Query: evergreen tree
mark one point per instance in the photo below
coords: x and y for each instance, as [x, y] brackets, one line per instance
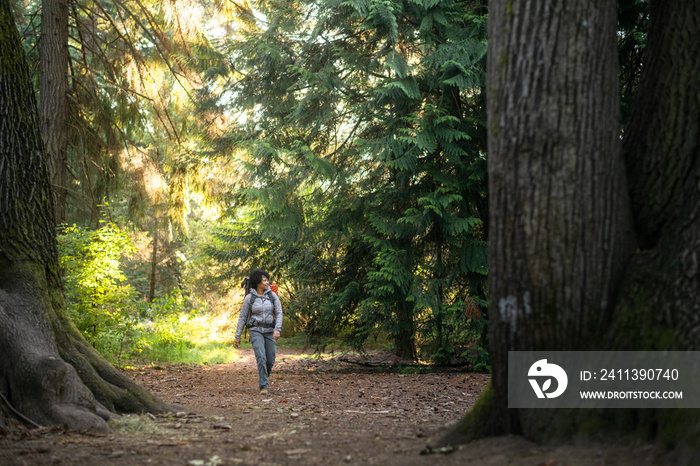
[126, 141]
[127, 71]
[365, 147]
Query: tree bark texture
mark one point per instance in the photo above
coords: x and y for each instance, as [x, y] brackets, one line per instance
[54, 96]
[593, 245]
[662, 154]
[48, 372]
[560, 226]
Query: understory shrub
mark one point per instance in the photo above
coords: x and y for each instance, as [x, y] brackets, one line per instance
[101, 304]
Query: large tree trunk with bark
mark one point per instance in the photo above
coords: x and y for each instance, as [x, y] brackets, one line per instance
[48, 372]
[593, 242]
[54, 96]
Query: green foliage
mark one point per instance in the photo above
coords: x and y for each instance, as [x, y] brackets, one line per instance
[164, 334]
[364, 147]
[632, 21]
[354, 169]
[108, 310]
[135, 142]
[478, 358]
[101, 304]
[133, 67]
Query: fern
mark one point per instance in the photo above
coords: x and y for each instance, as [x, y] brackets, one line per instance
[365, 170]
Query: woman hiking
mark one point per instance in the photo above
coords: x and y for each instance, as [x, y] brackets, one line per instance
[261, 312]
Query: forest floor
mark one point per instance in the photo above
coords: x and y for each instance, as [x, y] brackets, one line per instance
[329, 410]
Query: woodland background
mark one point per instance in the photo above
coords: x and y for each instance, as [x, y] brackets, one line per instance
[340, 145]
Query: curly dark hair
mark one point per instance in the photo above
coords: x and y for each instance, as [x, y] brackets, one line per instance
[256, 277]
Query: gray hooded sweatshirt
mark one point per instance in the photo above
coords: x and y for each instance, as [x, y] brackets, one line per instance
[261, 315]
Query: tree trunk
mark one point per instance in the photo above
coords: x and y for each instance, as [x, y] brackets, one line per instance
[48, 372]
[154, 259]
[579, 260]
[404, 336]
[54, 96]
[559, 227]
[662, 153]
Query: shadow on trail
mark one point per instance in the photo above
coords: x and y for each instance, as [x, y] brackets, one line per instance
[328, 410]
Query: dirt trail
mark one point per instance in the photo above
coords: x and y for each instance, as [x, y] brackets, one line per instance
[320, 411]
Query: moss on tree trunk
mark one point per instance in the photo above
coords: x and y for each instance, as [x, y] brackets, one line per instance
[48, 372]
[579, 261]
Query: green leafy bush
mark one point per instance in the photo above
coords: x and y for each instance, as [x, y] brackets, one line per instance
[101, 304]
[164, 334]
[112, 315]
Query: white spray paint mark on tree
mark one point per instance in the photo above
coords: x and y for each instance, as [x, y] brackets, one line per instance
[510, 311]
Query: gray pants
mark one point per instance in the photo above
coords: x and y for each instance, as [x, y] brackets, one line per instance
[264, 349]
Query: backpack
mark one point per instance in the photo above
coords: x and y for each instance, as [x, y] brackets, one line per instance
[246, 287]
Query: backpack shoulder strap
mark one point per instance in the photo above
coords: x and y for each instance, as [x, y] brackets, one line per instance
[271, 294]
